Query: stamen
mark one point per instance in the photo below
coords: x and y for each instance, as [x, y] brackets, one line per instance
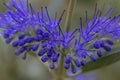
[60, 30]
[48, 14]
[32, 10]
[86, 20]
[42, 12]
[38, 15]
[95, 12]
[27, 5]
[22, 4]
[55, 18]
[93, 27]
[81, 26]
[109, 11]
[13, 17]
[61, 17]
[6, 6]
[74, 32]
[19, 10]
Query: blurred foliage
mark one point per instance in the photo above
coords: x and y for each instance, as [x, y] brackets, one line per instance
[109, 58]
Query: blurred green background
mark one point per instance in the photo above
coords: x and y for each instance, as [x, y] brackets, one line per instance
[14, 68]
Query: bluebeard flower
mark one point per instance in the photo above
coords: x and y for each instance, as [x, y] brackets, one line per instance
[97, 37]
[24, 28]
[35, 31]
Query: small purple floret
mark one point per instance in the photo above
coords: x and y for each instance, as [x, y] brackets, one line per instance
[67, 59]
[41, 52]
[44, 58]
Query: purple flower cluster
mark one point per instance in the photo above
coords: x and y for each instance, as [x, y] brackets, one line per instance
[30, 31]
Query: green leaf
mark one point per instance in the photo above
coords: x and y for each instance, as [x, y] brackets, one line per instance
[109, 58]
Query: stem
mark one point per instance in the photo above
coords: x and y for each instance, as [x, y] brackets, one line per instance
[69, 14]
[60, 74]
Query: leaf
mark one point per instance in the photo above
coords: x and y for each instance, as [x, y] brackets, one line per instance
[109, 58]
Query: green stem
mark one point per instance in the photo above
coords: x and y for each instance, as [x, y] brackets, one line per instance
[60, 72]
[69, 14]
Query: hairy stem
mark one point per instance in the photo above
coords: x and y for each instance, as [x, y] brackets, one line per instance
[69, 14]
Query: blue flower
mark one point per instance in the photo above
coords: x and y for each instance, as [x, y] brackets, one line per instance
[94, 39]
[28, 30]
